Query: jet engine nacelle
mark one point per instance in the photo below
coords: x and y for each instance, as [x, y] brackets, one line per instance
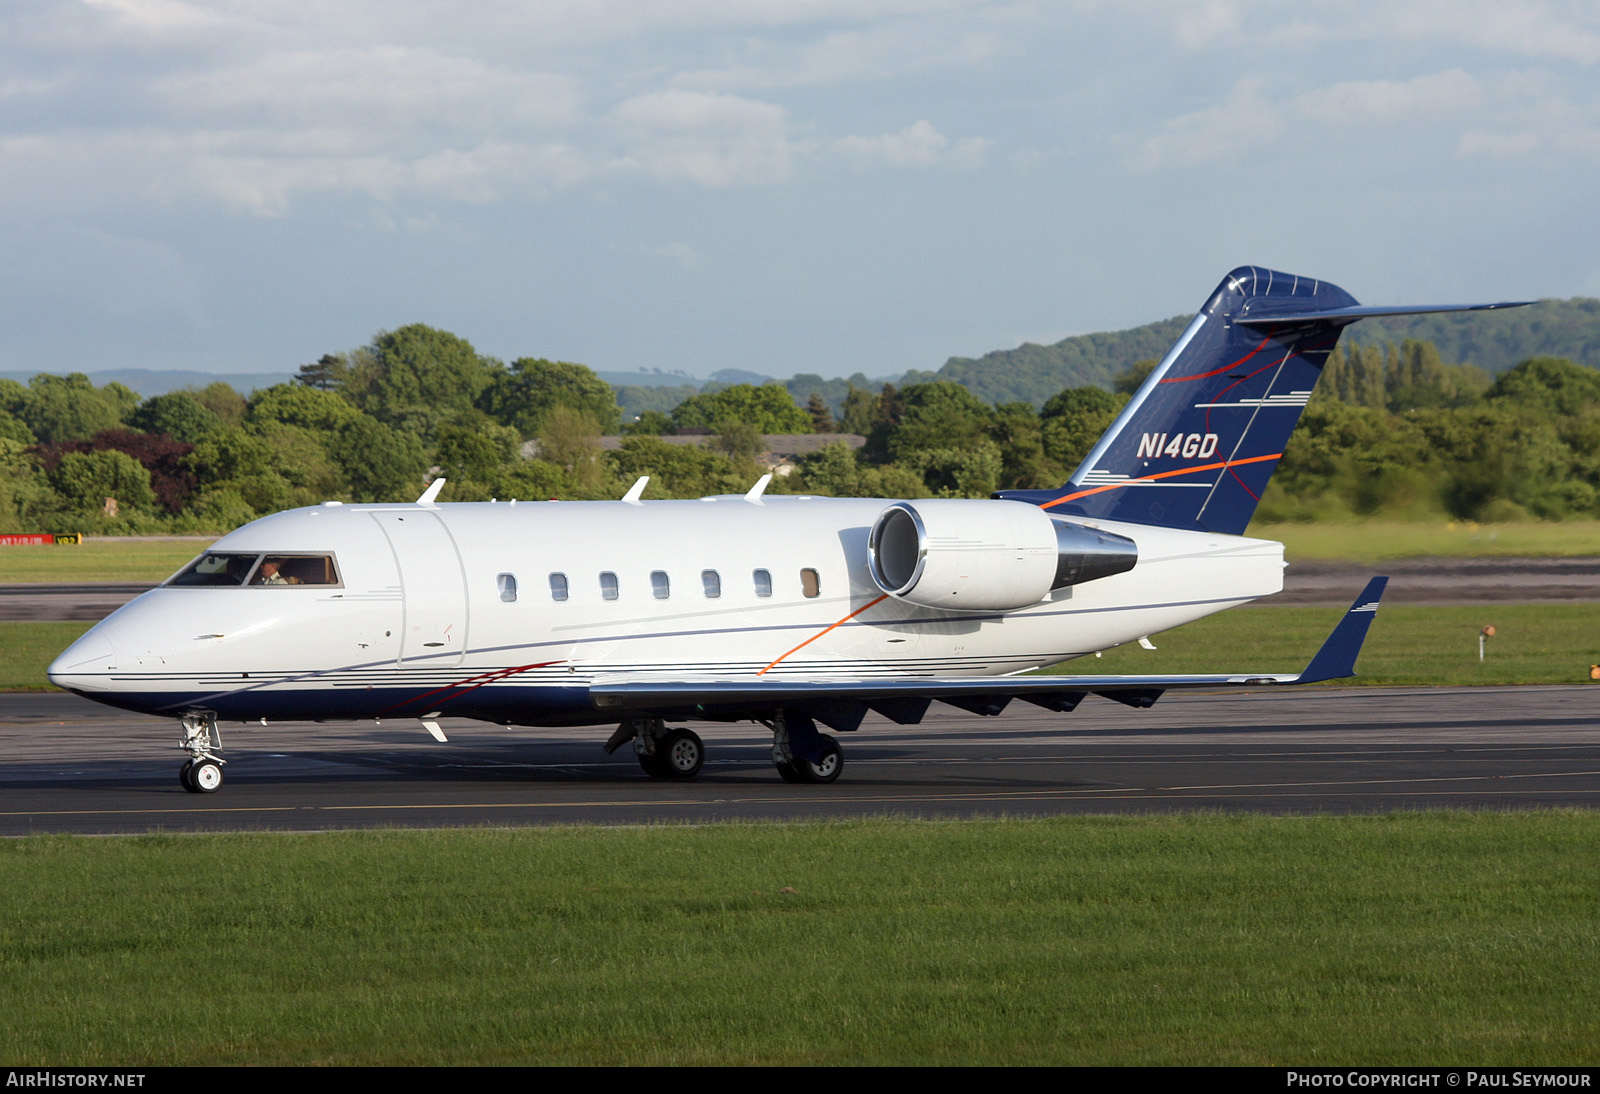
[986, 555]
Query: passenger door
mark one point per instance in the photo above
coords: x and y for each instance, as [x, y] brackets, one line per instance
[433, 585]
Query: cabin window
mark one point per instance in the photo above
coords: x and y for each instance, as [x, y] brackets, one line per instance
[810, 583]
[711, 582]
[558, 586]
[608, 586]
[508, 587]
[660, 587]
[763, 582]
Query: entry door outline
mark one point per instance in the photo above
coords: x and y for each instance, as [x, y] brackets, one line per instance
[433, 586]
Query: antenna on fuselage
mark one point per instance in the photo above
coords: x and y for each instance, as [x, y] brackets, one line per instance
[636, 490]
[431, 494]
[755, 492]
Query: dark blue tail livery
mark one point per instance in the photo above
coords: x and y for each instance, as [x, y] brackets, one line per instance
[1198, 442]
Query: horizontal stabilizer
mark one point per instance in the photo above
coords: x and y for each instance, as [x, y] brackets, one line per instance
[1364, 311]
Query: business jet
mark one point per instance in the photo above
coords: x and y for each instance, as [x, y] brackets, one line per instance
[788, 611]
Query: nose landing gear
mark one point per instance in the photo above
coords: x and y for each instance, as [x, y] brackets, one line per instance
[202, 772]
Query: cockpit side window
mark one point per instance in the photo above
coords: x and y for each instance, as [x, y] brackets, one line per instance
[236, 568]
[215, 568]
[295, 570]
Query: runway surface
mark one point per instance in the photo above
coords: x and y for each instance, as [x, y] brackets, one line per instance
[67, 765]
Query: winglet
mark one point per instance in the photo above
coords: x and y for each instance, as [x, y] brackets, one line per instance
[636, 491]
[1337, 657]
[431, 494]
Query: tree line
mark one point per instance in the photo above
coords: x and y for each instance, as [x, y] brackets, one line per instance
[1393, 430]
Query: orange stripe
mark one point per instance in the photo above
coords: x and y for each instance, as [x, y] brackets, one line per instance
[1150, 478]
[820, 633]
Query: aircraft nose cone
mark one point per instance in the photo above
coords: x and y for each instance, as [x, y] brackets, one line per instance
[83, 661]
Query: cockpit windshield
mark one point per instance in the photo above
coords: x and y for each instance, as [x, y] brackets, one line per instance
[231, 568]
[214, 568]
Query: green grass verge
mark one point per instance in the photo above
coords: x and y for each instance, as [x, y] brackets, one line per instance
[1408, 644]
[26, 650]
[1405, 939]
[100, 560]
[1372, 541]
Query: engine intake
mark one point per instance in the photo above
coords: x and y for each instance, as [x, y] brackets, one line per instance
[986, 555]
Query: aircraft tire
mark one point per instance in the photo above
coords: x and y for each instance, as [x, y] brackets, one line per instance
[826, 771]
[205, 777]
[786, 770]
[681, 754]
[183, 776]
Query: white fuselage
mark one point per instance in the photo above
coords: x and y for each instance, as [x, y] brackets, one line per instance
[423, 617]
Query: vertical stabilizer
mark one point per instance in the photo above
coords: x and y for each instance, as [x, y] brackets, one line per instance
[1198, 442]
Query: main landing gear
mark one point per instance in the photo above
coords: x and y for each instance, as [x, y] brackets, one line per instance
[799, 753]
[202, 772]
[663, 753]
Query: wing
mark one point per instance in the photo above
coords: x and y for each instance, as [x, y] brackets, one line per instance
[843, 702]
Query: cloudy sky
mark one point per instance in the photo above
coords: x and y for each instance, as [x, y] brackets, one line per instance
[779, 185]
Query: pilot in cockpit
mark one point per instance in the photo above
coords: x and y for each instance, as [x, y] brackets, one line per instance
[269, 574]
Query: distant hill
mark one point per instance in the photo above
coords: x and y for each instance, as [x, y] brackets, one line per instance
[647, 378]
[1498, 340]
[1494, 341]
[1032, 373]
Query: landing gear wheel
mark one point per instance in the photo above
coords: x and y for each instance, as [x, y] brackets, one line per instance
[183, 776]
[205, 777]
[681, 754]
[651, 764]
[786, 768]
[824, 771]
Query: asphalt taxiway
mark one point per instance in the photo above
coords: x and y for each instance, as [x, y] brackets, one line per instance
[68, 765]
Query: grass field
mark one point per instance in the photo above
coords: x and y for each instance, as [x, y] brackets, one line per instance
[1407, 939]
[26, 650]
[1373, 541]
[1408, 644]
[100, 560]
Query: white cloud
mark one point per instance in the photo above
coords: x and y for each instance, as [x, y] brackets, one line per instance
[1529, 28]
[382, 88]
[714, 140]
[160, 17]
[1364, 102]
[1200, 25]
[872, 54]
[1245, 120]
[917, 145]
[681, 253]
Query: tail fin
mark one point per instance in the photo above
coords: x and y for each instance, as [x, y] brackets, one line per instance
[1197, 443]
